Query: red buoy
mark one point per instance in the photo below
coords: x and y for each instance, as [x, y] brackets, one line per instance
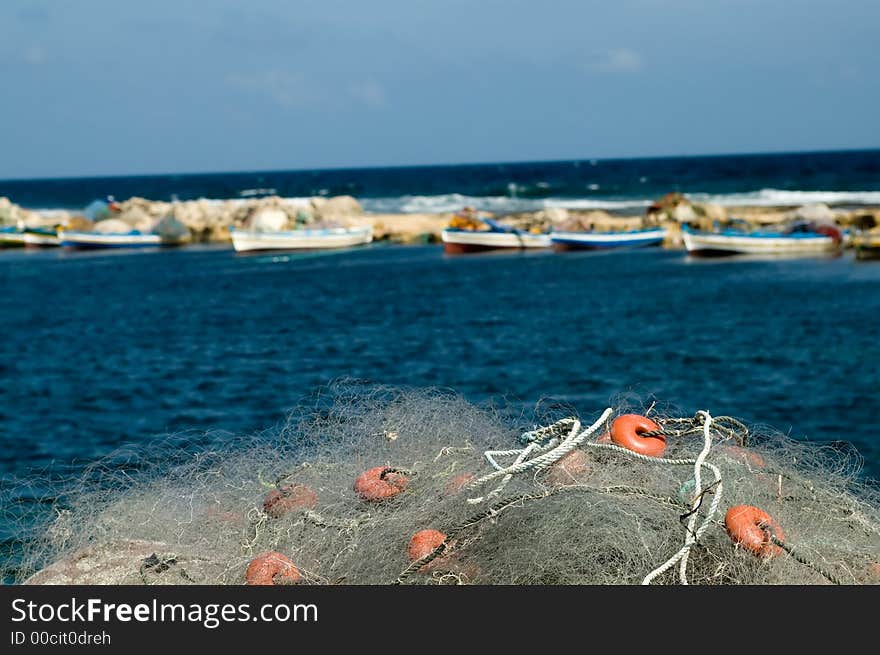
[751, 528]
[627, 429]
[279, 502]
[744, 455]
[458, 483]
[571, 469]
[380, 483]
[270, 569]
[423, 543]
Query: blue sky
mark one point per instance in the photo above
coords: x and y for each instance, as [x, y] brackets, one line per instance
[109, 87]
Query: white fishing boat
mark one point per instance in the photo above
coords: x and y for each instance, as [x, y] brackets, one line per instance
[562, 240]
[244, 240]
[91, 239]
[41, 238]
[11, 237]
[457, 241]
[795, 241]
[461, 240]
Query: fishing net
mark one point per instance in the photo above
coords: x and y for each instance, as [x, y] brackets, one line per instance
[375, 485]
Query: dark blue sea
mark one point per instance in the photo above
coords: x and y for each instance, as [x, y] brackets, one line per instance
[836, 178]
[111, 349]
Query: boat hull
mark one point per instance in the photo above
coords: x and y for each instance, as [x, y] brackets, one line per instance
[96, 240]
[867, 247]
[458, 242]
[11, 238]
[565, 241]
[251, 240]
[41, 240]
[719, 245]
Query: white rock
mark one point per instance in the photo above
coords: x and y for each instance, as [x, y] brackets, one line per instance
[684, 213]
[818, 212]
[111, 225]
[268, 219]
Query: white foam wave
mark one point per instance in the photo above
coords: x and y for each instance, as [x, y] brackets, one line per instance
[781, 198]
[763, 198]
[451, 202]
[248, 193]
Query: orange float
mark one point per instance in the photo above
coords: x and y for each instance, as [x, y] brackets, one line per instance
[380, 483]
[289, 497]
[749, 527]
[458, 483]
[571, 469]
[626, 431]
[270, 569]
[423, 543]
[744, 455]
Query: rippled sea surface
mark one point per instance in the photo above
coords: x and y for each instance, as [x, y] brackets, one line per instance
[110, 349]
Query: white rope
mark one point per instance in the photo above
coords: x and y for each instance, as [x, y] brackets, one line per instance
[546, 455]
[692, 534]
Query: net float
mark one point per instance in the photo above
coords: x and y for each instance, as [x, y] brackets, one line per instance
[458, 483]
[752, 528]
[279, 502]
[423, 543]
[627, 431]
[271, 568]
[380, 483]
[745, 455]
[571, 469]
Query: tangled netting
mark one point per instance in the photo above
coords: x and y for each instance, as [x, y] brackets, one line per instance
[342, 488]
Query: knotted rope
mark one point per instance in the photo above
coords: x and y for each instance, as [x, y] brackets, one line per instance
[542, 456]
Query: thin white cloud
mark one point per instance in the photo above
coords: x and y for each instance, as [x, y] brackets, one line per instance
[288, 89]
[370, 93]
[618, 60]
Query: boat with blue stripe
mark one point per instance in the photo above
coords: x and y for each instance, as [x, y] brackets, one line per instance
[11, 237]
[91, 239]
[244, 240]
[32, 237]
[796, 240]
[590, 240]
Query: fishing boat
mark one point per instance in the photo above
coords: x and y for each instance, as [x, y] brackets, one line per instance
[11, 237]
[92, 239]
[460, 240]
[244, 240]
[41, 237]
[797, 240]
[867, 245]
[588, 240]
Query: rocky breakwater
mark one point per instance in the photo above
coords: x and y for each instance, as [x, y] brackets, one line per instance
[12, 214]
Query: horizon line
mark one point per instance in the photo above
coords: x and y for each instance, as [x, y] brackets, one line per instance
[436, 165]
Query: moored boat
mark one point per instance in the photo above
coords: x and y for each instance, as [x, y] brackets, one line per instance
[11, 237]
[41, 237]
[244, 240]
[470, 232]
[867, 245]
[588, 240]
[794, 241]
[92, 239]
[458, 241]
